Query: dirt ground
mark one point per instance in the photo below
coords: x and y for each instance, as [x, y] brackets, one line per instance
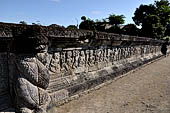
[146, 90]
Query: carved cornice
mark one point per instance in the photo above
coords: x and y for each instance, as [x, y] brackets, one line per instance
[62, 37]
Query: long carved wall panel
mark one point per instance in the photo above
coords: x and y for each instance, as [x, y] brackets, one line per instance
[40, 66]
[85, 60]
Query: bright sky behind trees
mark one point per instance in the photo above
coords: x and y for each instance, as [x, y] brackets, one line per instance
[65, 12]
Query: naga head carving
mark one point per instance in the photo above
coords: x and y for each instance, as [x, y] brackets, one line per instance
[30, 39]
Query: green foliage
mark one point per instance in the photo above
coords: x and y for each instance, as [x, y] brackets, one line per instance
[83, 18]
[153, 18]
[23, 22]
[110, 24]
[115, 29]
[87, 24]
[152, 27]
[116, 19]
[100, 25]
[72, 27]
[142, 12]
[163, 11]
[167, 32]
[130, 29]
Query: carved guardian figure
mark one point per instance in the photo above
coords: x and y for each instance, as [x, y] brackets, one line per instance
[31, 82]
[32, 75]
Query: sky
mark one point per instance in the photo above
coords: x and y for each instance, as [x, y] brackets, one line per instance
[66, 12]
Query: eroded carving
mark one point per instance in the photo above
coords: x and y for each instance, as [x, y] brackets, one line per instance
[70, 59]
[91, 58]
[81, 59]
[55, 63]
[75, 59]
[31, 83]
[30, 72]
[64, 65]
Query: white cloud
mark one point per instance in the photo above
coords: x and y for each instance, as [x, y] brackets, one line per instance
[96, 12]
[55, 0]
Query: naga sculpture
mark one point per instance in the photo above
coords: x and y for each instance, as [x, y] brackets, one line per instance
[32, 76]
[31, 81]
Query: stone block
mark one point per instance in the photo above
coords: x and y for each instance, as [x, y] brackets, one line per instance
[59, 95]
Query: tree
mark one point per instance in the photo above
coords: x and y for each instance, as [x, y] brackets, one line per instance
[72, 27]
[163, 11]
[116, 19]
[110, 24]
[83, 18]
[87, 24]
[153, 18]
[37, 23]
[152, 27]
[167, 32]
[130, 29]
[23, 22]
[142, 12]
[100, 25]
[114, 29]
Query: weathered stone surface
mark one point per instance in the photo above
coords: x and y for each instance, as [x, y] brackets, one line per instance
[31, 81]
[5, 98]
[41, 65]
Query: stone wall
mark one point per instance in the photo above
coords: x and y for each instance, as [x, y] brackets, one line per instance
[43, 65]
[76, 70]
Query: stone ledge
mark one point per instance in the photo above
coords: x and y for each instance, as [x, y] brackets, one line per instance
[110, 74]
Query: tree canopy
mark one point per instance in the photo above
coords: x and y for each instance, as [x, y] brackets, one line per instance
[110, 24]
[130, 29]
[72, 27]
[153, 18]
[86, 24]
[116, 19]
[142, 12]
[23, 22]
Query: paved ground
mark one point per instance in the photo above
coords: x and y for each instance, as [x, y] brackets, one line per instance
[144, 91]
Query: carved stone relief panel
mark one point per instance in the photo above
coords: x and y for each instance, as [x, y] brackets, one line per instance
[110, 57]
[107, 54]
[63, 63]
[100, 55]
[119, 54]
[69, 60]
[87, 56]
[81, 62]
[75, 58]
[81, 59]
[91, 58]
[142, 50]
[45, 58]
[122, 53]
[55, 63]
[97, 51]
[106, 57]
[115, 53]
[138, 51]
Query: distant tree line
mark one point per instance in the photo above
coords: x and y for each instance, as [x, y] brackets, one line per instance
[112, 24]
[153, 21]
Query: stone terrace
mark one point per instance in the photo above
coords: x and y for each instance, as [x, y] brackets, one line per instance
[60, 63]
